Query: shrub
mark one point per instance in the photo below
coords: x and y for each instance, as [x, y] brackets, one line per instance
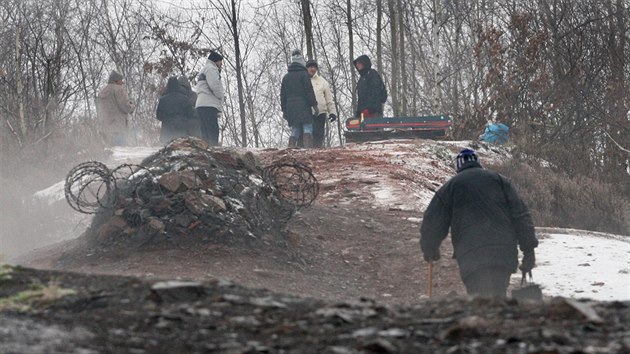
[558, 200]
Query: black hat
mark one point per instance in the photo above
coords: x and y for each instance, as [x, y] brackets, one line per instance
[215, 56]
[312, 63]
[115, 76]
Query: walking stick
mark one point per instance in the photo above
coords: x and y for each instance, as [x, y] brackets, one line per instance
[430, 279]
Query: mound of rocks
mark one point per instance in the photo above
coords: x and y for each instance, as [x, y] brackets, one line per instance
[187, 191]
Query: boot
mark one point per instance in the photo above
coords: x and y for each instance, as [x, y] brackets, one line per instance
[308, 141]
[292, 142]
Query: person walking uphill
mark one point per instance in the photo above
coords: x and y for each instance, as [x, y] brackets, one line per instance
[174, 111]
[298, 101]
[325, 103]
[371, 91]
[112, 109]
[487, 219]
[210, 98]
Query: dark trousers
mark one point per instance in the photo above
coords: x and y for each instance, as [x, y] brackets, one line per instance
[209, 123]
[319, 130]
[488, 282]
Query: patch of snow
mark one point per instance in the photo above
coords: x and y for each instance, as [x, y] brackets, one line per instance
[52, 194]
[584, 266]
[131, 154]
[257, 180]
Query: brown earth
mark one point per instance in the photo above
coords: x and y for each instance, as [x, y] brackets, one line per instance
[345, 249]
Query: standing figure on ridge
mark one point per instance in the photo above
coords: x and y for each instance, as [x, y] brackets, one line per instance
[298, 101]
[210, 96]
[113, 107]
[325, 104]
[371, 91]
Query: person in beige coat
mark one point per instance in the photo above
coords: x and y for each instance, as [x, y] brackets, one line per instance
[325, 104]
[112, 108]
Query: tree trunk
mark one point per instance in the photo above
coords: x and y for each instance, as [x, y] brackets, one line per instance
[351, 53]
[393, 21]
[308, 27]
[437, 73]
[20, 84]
[403, 67]
[379, 36]
[239, 75]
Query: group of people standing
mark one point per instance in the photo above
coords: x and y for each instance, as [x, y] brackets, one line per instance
[306, 100]
[186, 113]
[181, 111]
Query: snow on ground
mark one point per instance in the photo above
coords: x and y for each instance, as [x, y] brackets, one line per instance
[131, 154]
[579, 264]
[119, 155]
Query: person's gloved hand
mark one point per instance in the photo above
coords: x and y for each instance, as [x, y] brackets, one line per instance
[529, 261]
[432, 255]
[332, 117]
[365, 112]
[315, 111]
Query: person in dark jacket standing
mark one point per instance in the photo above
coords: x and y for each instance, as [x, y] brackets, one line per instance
[371, 91]
[487, 219]
[194, 127]
[210, 98]
[174, 111]
[298, 101]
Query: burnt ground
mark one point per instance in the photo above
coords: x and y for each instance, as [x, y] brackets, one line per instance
[351, 269]
[114, 314]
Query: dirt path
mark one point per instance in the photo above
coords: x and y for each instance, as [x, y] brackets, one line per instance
[334, 253]
[359, 239]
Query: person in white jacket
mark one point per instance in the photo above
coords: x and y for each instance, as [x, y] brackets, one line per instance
[325, 104]
[210, 98]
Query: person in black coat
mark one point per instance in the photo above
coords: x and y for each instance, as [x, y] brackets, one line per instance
[298, 101]
[371, 91]
[194, 126]
[174, 111]
[487, 219]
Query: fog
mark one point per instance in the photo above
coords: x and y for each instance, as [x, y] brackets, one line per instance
[27, 223]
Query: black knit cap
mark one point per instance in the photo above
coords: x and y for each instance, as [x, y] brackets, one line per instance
[312, 63]
[215, 56]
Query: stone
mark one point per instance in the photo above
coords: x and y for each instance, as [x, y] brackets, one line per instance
[183, 220]
[171, 181]
[112, 227]
[176, 291]
[155, 226]
[189, 179]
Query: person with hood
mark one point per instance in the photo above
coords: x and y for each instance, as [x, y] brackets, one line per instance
[210, 98]
[325, 103]
[174, 111]
[371, 91]
[194, 128]
[113, 107]
[488, 219]
[298, 101]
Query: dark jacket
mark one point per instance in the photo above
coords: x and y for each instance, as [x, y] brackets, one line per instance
[174, 111]
[297, 96]
[371, 91]
[487, 219]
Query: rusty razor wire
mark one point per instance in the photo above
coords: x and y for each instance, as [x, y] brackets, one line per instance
[92, 185]
[294, 180]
